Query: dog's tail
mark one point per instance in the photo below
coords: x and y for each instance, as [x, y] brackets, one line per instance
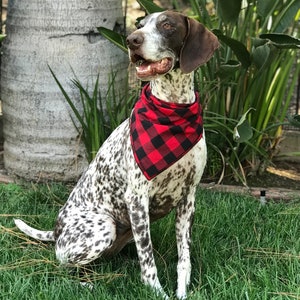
[34, 233]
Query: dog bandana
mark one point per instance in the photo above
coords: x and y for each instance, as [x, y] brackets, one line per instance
[162, 132]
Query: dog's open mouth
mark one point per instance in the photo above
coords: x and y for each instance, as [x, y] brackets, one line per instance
[147, 68]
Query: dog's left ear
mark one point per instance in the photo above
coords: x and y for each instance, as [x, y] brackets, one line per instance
[198, 47]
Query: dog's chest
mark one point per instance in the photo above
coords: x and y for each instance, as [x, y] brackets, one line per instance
[174, 184]
[164, 191]
[114, 171]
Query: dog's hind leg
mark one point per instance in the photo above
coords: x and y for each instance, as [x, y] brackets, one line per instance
[86, 237]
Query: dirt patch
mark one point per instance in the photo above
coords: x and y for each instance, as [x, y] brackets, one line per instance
[283, 174]
[281, 182]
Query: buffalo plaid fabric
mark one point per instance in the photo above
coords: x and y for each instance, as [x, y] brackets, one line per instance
[162, 132]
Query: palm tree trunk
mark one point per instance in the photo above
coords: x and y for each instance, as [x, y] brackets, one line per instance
[40, 139]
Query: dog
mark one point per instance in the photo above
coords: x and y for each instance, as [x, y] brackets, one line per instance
[134, 180]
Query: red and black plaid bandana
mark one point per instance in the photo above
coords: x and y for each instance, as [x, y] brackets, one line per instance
[162, 132]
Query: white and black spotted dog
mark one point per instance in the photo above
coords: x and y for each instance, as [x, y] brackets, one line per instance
[150, 164]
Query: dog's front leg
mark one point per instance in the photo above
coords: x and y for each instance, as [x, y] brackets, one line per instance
[138, 209]
[184, 220]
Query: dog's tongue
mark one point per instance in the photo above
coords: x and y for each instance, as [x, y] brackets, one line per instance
[148, 69]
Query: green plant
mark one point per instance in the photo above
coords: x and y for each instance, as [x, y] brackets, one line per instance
[249, 80]
[247, 86]
[99, 116]
[2, 36]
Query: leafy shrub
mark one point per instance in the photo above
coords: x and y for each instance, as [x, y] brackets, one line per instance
[247, 85]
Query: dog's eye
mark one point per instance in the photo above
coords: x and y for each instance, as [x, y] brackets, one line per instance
[139, 22]
[167, 26]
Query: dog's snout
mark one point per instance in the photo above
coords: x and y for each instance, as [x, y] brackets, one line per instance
[134, 40]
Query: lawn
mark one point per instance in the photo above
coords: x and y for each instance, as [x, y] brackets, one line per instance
[240, 250]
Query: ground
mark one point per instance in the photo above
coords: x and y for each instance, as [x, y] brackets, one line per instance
[281, 182]
[284, 174]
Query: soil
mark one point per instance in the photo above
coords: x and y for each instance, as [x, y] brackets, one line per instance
[281, 182]
[282, 175]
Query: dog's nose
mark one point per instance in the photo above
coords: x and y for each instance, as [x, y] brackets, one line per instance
[134, 40]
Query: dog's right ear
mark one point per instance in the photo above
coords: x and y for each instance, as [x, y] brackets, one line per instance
[198, 47]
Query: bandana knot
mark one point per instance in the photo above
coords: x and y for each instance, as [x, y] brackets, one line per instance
[162, 132]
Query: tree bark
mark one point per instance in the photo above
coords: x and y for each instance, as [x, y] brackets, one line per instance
[40, 139]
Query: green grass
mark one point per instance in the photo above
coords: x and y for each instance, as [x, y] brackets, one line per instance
[240, 250]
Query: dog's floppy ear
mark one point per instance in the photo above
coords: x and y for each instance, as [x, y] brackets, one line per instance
[198, 47]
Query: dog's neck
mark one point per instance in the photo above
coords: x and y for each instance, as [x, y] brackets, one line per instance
[174, 87]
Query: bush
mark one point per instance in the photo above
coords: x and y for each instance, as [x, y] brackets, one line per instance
[247, 86]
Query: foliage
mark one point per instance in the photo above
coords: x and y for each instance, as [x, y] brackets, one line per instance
[240, 250]
[100, 116]
[2, 36]
[247, 86]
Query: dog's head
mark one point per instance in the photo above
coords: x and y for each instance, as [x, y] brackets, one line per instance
[163, 39]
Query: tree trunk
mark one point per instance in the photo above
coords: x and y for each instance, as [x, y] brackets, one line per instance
[40, 139]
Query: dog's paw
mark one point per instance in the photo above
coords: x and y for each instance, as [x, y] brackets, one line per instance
[87, 285]
[181, 294]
